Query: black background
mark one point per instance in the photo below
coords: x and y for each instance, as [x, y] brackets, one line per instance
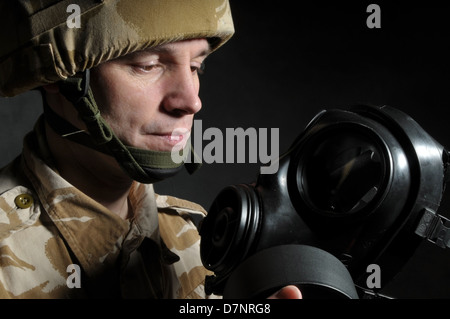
[289, 60]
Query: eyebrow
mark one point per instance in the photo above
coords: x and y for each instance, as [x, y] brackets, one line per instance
[166, 49]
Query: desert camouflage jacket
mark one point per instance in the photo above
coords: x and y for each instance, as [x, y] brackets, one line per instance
[56, 242]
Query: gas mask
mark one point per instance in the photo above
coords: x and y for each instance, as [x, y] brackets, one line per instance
[357, 187]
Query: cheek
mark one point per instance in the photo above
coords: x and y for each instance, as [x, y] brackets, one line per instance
[125, 100]
[129, 115]
[136, 104]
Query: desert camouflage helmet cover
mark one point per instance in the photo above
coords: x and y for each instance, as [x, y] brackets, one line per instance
[39, 47]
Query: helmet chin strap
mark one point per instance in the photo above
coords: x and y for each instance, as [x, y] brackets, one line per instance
[145, 166]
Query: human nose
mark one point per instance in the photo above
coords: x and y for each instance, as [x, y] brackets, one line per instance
[182, 94]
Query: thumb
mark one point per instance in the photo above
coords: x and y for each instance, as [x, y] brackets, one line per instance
[288, 292]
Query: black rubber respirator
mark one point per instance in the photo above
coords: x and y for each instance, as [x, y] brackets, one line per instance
[358, 187]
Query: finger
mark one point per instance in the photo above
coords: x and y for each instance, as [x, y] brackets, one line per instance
[288, 292]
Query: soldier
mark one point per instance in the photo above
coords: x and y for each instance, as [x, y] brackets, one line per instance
[78, 213]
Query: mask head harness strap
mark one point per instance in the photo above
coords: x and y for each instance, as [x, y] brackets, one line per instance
[145, 166]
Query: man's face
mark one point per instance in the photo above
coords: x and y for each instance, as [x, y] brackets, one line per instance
[149, 97]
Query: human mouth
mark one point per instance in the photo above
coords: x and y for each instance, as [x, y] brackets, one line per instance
[176, 139]
[172, 139]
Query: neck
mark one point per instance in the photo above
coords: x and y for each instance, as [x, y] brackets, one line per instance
[94, 173]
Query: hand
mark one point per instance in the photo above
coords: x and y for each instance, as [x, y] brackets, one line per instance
[288, 292]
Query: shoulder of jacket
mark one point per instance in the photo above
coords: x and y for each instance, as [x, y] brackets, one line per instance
[19, 209]
[170, 203]
[19, 206]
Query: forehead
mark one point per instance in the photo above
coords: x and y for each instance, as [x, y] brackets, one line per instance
[193, 48]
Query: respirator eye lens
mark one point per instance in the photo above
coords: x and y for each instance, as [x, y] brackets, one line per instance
[341, 172]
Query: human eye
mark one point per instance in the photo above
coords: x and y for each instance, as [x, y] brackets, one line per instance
[198, 68]
[143, 62]
[148, 68]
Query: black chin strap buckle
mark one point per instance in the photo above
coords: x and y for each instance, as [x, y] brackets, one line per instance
[85, 82]
[75, 96]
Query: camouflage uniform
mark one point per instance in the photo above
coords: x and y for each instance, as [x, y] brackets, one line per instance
[46, 225]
